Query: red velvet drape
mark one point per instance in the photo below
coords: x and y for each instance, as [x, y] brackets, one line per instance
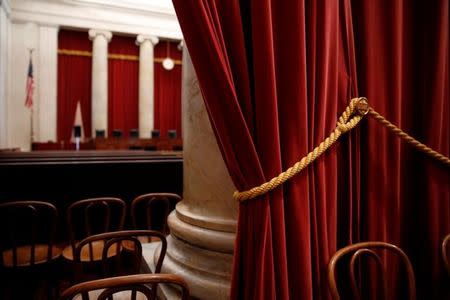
[274, 76]
[74, 83]
[167, 109]
[123, 82]
[403, 70]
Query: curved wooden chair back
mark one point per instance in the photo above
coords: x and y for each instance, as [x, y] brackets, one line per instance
[367, 249]
[30, 231]
[131, 283]
[113, 242]
[160, 204]
[98, 215]
[445, 253]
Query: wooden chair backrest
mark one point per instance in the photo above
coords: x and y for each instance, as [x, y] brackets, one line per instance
[116, 239]
[28, 217]
[367, 248]
[131, 283]
[149, 202]
[107, 205]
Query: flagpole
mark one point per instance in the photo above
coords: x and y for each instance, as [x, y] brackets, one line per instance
[31, 128]
[31, 110]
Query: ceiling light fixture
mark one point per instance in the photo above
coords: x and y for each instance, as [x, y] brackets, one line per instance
[168, 62]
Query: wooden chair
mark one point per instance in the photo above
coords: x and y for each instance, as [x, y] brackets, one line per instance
[113, 262]
[27, 246]
[367, 249]
[113, 242]
[131, 283]
[92, 216]
[445, 253]
[150, 211]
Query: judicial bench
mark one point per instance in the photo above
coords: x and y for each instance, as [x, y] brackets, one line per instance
[114, 143]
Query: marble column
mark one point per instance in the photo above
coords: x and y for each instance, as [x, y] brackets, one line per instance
[48, 57]
[5, 41]
[203, 225]
[146, 84]
[100, 40]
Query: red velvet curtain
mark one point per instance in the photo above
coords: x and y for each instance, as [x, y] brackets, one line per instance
[167, 109]
[74, 83]
[403, 70]
[274, 76]
[123, 82]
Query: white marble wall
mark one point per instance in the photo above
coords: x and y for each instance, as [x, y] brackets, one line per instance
[5, 27]
[23, 37]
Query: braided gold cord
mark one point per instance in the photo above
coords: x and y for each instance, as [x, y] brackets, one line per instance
[409, 139]
[345, 123]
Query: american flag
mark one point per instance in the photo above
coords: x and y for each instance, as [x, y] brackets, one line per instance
[30, 86]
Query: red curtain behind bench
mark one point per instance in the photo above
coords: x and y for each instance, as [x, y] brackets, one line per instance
[123, 83]
[167, 110]
[74, 83]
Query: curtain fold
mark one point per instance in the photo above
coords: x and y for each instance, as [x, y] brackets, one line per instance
[275, 76]
[269, 104]
[167, 109]
[123, 81]
[74, 83]
[403, 71]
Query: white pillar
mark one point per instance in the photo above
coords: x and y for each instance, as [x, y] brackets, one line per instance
[5, 25]
[100, 40]
[48, 58]
[146, 84]
[202, 228]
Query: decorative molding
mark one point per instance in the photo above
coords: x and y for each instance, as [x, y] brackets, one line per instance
[75, 14]
[112, 56]
[141, 38]
[74, 52]
[146, 6]
[93, 33]
[123, 57]
[6, 6]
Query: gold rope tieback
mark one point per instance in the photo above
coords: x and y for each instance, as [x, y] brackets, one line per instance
[354, 112]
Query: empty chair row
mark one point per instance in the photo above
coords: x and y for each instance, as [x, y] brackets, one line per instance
[28, 228]
[27, 239]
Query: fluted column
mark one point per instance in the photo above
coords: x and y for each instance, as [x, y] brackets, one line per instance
[100, 40]
[146, 84]
[203, 226]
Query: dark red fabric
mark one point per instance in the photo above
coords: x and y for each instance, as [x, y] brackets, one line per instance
[74, 83]
[275, 75]
[167, 109]
[123, 84]
[403, 70]
[274, 78]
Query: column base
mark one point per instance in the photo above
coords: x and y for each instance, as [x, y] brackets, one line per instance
[206, 271]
